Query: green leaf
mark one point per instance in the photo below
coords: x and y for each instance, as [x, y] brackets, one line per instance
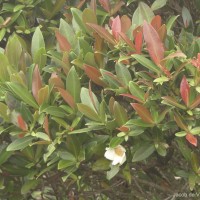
[3, 111]
[5, 155]
[37, 42]
[114, 170]
[65, 155]
[62, 164]
[73, 85]
[4, 68]
[13, 51]
[101, 165]
[143, 12]
[157, 4]
[40, 57]
[146, 63]
[171, 22]
[89, 99]
[143, 152]
[115, 141]
[41, 135]
[77, 19]
[22, 93]
[29, 185]
[120, 114]
[57, 7]
[136, 90]
[20, 143]
[181, 134]
[123, 74]
[54, 111]
[88, 112]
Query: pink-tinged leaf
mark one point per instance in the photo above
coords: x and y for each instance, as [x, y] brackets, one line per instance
[63, 42]
[191, 139]
[162, 32]
[136, 30]
[154, 44]
[180, 122]
[93, 5]
[21, 123]
[36, 82]
[56, 80]
[196, 62]
[156, 22]
[116, 27]
[123, 129]
[173, 102]
[195, 103]
[132, 97]
[105, 4]
[144, 114]
[164, 69]
[127, 40]
[185, 91]
[138, 42]
[103, 33]
[94, 74]
[46, 125]
[125, 23]
[67, 97]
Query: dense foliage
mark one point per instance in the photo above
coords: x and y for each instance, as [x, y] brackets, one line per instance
[99, 99]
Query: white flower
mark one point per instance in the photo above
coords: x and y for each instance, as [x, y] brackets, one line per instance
[117, 155]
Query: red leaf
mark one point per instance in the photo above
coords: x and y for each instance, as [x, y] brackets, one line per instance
[94, 74]
[63, 42]
[105, 4]
[36, 82]
[67, 97]
[143, 113]
[102, 33]
[116, 27]
[138, 42]
[123, 129]
[185, 90]
[127, 40]
[191, 139]
[154, 45]
[125, 23]
[21, 123]
[156, 22]
[132, 97]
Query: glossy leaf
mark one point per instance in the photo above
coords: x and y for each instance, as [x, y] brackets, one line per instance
[143, 113]
[154, 44]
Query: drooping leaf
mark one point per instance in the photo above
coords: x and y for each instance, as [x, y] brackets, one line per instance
[154, 44]
[143, 113]
[185, 91]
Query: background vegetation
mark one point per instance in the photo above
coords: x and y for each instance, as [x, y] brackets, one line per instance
[77, 77]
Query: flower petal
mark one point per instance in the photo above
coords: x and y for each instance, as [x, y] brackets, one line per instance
[109, 154]
[117, 160]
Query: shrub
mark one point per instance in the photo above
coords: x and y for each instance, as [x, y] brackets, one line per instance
[109, 110]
